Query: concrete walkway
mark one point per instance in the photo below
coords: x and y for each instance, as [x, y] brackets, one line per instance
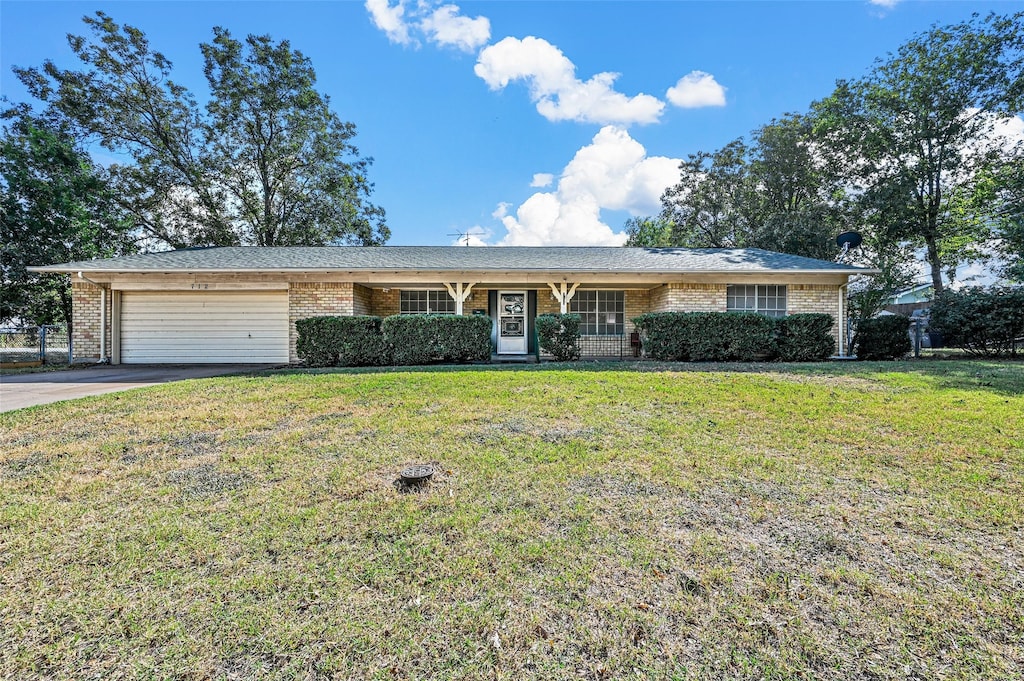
[18, 391]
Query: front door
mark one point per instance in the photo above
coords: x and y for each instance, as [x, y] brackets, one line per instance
[512, 322]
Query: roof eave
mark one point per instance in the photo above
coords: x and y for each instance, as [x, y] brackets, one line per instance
[58, 269]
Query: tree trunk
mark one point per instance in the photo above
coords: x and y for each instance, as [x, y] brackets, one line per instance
[933, 260]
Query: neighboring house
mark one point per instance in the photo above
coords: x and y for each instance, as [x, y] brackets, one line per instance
[240, 304]
[904, 302]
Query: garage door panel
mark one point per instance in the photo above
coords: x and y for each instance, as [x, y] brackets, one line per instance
[204, 327]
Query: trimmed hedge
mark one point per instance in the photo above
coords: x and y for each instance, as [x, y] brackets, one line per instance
[341, 341]
[398, 340]
[426, 338]
[805, 337]
[735, 336]
[559, 334]
[707, 336]
[884, 337]
[986, 322]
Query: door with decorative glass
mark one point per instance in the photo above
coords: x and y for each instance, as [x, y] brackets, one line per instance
[512, 323]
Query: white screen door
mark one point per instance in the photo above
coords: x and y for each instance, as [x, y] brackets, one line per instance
[512, 322]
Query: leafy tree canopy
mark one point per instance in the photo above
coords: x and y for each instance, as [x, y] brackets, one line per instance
[265, 162]
[915, 138]
[773, 193]
[56, 207]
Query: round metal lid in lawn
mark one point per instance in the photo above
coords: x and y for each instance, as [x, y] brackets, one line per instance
[414, 475]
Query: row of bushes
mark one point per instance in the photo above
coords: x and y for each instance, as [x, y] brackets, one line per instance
[735, 336]
[397, 340]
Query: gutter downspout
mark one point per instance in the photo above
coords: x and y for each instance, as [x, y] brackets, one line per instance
[842, 319]
[103, 318]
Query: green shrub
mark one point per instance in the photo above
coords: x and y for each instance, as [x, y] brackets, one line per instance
[559, 334]
[341, 341]
[987, 322]
[664, 335]
[426, 338]
[884, 337]
[805, 337]
[707, 336]
[464, 339]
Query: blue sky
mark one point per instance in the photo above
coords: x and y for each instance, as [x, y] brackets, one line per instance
[494, 117]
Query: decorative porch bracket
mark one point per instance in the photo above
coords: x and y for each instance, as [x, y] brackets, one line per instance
[564, 294]
[459, 293]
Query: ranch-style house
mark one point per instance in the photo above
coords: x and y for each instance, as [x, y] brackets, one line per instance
[240, 304]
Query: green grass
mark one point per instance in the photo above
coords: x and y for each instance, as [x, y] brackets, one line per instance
[603, 522]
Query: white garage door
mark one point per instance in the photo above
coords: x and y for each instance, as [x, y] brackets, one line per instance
[185, 327]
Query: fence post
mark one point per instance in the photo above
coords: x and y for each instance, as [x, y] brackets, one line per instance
[42, 343]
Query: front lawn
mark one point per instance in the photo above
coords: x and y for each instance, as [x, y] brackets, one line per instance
[604, 522]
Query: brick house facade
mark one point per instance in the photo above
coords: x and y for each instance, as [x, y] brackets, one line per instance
[210, 303]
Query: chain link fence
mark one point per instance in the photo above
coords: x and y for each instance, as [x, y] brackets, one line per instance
[45, 344]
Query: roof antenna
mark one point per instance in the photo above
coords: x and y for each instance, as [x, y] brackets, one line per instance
[463, 236]
[847, 241]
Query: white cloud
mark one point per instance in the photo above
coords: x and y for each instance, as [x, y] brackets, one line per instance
[445, 26]
[542, 180]
[613, 172]
[553, 85]
[887, 4]
[696, 89]
[390, 19]
[501, 211]
[1009, 133]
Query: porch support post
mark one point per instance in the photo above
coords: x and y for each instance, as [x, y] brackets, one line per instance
[459, 293]
[563, 294]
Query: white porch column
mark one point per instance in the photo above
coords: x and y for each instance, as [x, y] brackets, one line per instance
[563, 294]
[459, 293]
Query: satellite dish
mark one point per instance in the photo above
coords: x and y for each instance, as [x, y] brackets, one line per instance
[848, 240]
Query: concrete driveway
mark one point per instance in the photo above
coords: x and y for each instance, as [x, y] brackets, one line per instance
[27, 390]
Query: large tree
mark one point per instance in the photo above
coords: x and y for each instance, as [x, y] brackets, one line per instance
[915, 137]
[55, 206]
[773, 193]
[266, 161]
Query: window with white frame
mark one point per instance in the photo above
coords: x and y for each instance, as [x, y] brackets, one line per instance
[426, 302]
[602, 313]
[769, 300]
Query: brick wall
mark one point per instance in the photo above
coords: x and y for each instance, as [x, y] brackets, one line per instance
[85, 336]
[384, 302]
[316, 299]
[362, 299]
[688, 298]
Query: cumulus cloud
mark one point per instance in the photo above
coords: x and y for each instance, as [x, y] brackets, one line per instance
[390, 19]
[554, 87]
[613, 172]
[887, 4]
[542, 180]
[445, 26]
[696, 89]
[442, 25]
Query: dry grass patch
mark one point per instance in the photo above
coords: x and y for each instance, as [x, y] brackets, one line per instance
[673, 521]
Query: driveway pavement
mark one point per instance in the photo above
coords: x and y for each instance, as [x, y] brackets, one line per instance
[27, 390]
